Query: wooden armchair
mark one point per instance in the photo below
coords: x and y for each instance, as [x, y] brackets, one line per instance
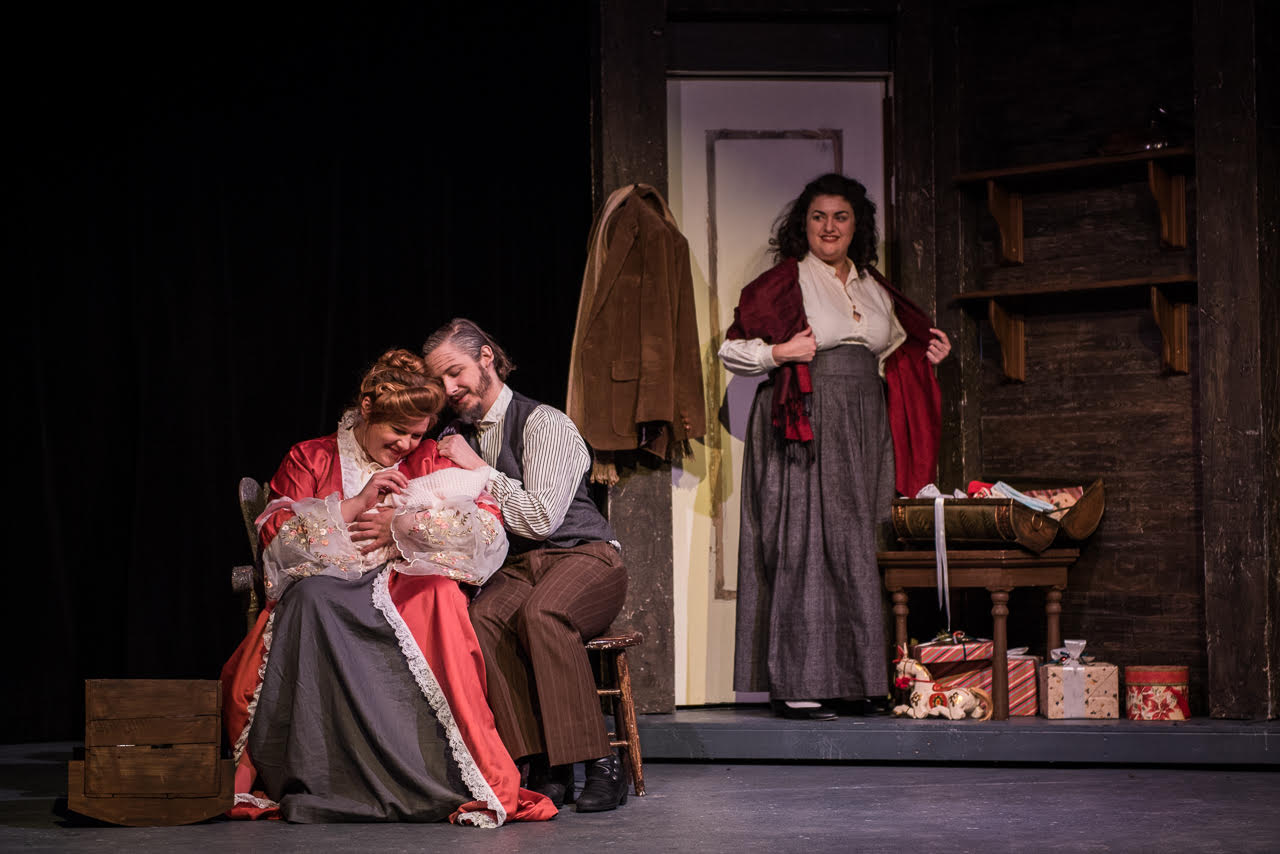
[247, 580]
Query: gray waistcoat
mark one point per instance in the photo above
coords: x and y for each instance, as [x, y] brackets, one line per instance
[583, 523]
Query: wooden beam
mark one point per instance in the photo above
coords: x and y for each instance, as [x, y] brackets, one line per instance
[1170, 191]
[1010, 331]
[930, 100]
[1080, 165]
[1173, 318]
[629, 133]
[1236, 364]
[1006, 207]
[1070, 287]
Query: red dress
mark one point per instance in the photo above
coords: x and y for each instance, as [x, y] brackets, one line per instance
[436, 639]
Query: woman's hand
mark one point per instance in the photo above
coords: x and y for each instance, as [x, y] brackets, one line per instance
[939, 347]
[455, 449]
[801, 348]
[390, 480]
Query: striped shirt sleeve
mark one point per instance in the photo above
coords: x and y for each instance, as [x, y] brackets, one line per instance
[555, 459]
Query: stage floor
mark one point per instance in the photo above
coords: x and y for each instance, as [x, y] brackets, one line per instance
[714, 807]
[753, 733]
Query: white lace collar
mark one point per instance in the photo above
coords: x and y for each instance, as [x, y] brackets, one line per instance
[357, 466]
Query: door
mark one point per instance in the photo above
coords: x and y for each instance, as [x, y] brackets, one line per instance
[739, 151]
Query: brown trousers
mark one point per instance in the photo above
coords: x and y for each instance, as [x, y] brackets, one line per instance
[532, 619]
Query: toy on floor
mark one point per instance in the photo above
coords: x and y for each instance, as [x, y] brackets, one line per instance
[924, 697]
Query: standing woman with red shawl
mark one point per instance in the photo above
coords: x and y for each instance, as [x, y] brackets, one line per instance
[850, 402]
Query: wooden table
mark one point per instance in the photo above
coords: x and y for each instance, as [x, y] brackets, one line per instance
[999, 571]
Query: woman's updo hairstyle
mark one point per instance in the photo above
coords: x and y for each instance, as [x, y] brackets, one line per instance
[399, 390]
[790, 239]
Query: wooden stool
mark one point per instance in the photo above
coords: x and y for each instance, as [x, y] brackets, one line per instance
[614, 683]
[999, 571]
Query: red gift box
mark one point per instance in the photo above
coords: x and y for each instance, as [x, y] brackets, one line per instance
[965, 653]
[1023, 694]
[1156, 693]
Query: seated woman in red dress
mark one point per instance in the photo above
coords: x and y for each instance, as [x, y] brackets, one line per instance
[360, 693]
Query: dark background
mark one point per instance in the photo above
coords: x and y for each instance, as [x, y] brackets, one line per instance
[217, 222]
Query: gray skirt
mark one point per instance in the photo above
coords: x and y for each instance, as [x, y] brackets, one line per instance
[342, 731]
[810, 606]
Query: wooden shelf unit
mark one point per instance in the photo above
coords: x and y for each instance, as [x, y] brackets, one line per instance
[1168, 185]
[1169, 304]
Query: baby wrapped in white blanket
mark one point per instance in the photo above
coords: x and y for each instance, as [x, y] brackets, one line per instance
[441, 530]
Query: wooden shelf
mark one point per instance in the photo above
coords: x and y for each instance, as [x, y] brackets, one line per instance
[1084, 165]
[1168, 303]
[1005, 187]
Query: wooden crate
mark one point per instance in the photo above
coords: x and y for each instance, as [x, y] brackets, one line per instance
[151, 753]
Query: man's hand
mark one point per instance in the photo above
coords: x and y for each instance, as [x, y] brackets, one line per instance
[456, 449]
[372, 530]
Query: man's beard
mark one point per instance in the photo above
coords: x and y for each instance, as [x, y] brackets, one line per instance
[475, 412]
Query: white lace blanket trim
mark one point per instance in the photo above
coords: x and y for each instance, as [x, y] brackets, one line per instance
[471, 773]
[243, 738]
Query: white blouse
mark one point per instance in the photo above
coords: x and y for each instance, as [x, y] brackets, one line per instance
[854, 311]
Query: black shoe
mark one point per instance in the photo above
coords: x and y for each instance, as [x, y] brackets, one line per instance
[803, 713]
[865, 707]
[556, 782]
[605, 787]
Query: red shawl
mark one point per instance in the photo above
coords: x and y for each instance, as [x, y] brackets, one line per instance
[772, 308]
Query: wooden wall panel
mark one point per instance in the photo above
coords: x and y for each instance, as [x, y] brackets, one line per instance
[629, 135]
[1052, 82]
[1091, 233]
[1235, 158]
[1032, 85]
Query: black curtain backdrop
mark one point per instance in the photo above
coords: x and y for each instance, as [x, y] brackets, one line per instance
[217, 222]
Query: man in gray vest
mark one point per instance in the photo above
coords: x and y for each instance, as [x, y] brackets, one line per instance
[563, 581]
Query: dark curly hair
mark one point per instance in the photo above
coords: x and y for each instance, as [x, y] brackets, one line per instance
[790, 241]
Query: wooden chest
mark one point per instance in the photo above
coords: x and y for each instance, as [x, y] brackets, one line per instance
[987, 523]
[152, 753]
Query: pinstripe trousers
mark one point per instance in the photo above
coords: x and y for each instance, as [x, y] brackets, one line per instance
[532, 619]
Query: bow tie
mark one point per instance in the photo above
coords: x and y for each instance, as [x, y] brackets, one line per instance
[483, 426]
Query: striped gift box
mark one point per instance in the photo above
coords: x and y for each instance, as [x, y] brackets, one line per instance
[936, 653]
[1023, 669]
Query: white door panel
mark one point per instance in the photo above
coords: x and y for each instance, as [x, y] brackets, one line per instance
[740, 150]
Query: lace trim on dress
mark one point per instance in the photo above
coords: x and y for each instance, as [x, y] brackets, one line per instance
[255, 801]
[471, 774]
[479, 819]
[357, 468]
[243, 738]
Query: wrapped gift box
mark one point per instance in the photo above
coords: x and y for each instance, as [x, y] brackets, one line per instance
[1156, 693]
[1080, 691]
[1023, 693]
[933, 653]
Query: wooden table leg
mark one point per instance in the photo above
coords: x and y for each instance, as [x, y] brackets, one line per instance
[899, 619]
[1052, 614]
[1000, 656]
